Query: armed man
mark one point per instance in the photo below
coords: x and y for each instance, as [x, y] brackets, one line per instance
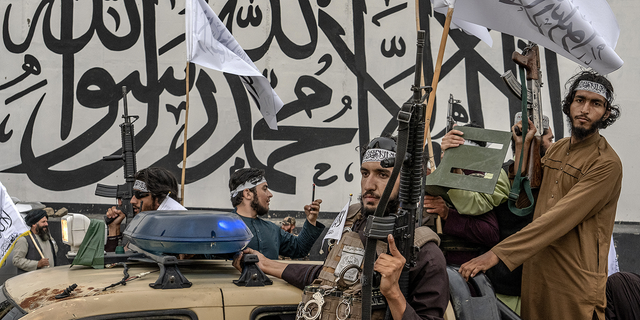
[154, 189]
[250, 197]
[564, 250]
[338, 278]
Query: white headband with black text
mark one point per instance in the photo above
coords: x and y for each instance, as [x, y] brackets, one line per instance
[595, 88]
[377, 155]
[141, 186]
[248, 185]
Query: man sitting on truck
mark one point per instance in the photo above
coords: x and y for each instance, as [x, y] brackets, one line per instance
[155, 189]
[250, 197]
[428, 292]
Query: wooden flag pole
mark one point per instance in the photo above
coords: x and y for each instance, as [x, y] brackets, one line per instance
[434, 86]
[184, 145]
[35, 244]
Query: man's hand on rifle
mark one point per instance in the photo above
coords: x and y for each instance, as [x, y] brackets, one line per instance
[390, 267]
[516, 133]
[114, 227]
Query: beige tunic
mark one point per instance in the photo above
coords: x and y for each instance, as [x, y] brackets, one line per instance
[564, 249]
[22, 247]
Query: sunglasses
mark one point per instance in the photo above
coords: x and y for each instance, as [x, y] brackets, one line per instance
[140, 194]
[382, 143]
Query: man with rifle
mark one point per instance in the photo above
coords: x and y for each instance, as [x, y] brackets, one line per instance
[148, 189]
[564, 250]
[154, 189]
[333, 289]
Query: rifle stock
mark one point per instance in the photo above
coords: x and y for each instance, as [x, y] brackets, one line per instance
[530, 61]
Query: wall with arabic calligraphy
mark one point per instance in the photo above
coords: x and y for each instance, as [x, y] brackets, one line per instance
[342, 68]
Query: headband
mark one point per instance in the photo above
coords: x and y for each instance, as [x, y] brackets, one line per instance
[595, 88]
[248, 185]
[140, 185]
[377, 155]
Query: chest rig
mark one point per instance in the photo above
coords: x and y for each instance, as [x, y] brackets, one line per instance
[337, 292]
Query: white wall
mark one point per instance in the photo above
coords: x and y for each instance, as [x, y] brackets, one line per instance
[55, 157]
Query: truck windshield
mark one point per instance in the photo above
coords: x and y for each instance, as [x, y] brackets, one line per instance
[8, 310]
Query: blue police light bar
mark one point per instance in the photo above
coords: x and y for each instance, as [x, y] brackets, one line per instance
[188, 232]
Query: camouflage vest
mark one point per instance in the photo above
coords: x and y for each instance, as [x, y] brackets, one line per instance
[337, 290]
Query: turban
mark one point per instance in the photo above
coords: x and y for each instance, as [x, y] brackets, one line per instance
[34, 216]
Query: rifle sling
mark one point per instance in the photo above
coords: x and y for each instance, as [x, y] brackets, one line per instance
[520, 182]
[370, 247]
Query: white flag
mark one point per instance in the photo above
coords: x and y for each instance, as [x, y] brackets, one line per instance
[12, 226]
[211, 45]
[335, 232]
[169, 204]
[480, 32]
[585, 31]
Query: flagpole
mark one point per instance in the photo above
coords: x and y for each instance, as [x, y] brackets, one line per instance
[35, 244]
[434, 83]
[434, 86]
[184, 145]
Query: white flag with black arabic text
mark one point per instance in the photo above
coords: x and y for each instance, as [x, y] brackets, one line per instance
[335, 231]
[211, 45]
[12, 226]
[585, 31]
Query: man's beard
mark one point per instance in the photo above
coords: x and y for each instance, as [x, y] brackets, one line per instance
[43, 233]
[259, 209]
[581, 132]
[392, 207]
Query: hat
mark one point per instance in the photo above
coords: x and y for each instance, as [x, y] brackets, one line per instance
[34, 216]
[289, 220]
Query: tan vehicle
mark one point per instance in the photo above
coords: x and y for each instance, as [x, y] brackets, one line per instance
[155, 285]
[212, 295]
[140, 289]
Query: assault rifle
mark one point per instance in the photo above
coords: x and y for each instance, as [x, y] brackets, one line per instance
[530, 61]
[450, 120]
[124, 191]
[402, 225]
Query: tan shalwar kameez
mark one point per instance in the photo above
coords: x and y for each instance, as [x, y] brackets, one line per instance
[564, 250]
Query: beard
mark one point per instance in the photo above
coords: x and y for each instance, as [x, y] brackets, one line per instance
[392, 207]
[43, 233]
[260, 210]
[581, 132]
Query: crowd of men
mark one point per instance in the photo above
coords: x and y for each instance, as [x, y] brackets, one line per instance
[550, 264]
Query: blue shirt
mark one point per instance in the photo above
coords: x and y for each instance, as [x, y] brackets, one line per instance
[272, 241]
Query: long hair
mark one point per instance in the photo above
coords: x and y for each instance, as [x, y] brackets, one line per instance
[160, 183]
[594, 77]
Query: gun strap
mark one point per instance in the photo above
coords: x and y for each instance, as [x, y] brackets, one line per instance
[520, 182]
[370, 247]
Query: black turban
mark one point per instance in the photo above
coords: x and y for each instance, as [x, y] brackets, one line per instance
[34, 216]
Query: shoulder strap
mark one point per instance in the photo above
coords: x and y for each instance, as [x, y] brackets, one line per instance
[520, 182]
[423, 235]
